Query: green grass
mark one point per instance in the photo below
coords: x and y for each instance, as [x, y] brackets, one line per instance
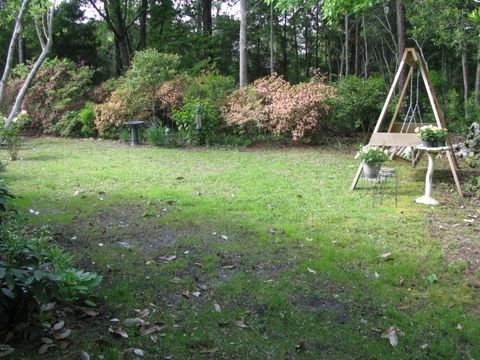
[168, 201]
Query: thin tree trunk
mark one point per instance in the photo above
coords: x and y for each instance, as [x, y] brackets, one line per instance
[207, 17]
[401, 38]
[365, 45]
[297, 68]
[44, 33]
[243, 43]
[21, 50]
[466, 92]
[272, 69]
[307, 47]
[477, 81]
[347, 45]
[284, 48]
[357, 49]
[143, 26]
[11, 49]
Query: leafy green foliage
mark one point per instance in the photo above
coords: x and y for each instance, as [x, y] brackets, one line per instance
[35, 271]
[5, 194]
[372, 155]
[77, 123]
[184, 119]
[60, 86]
[10, 137]
[356, 105]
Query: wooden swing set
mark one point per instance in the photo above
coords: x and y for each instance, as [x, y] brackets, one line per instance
[401, 135]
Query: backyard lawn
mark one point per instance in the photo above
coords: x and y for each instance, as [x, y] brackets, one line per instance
[254, 253]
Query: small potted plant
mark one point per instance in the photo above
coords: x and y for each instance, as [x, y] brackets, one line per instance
[441, 136]
[431, 136]
[372, 159]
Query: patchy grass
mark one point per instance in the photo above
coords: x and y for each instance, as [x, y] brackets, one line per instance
[272, 236]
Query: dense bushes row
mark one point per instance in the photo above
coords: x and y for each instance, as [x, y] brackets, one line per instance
[62, 101]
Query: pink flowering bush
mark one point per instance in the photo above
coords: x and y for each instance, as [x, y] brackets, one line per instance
[272, 104]
[60, 86]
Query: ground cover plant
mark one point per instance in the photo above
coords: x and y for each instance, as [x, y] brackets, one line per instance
[258, 254]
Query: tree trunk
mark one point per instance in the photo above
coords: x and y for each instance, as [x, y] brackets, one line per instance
[284, 48]
[365, 45]
[11, 49]
[207, 17]
[21, 50]
[307, 46]
[357, 49]
[243, 43]
[295, 43]
[45, 39]
[466, 92]
[401, 38]
[477, 81]
[143, 26]
[272, 69]
[347, 50]
[122, 37]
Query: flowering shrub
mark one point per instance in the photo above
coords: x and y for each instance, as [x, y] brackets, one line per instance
[372, 155]
[59, 86]
[136, 94]
[273, 105]
[10, 137]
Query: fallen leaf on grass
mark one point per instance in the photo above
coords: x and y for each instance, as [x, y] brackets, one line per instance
[118, 331]
[144, 313]
[197, 294]
[133, 322]
[217, 308]
[186, 294]
[208, 351]
[423, 346]
[84, 356]
[58, 325]
[88, 311]
[44, 348]
[311, 271]
[241, 324]
[386, 256]
[391, 335]
[459, 327]
[138, 352]
[228, 267]
[224, 237]
[62, 335]
[150, 329]
[272, 230]
[46, 340]
[167, 258]
[47, 307]
[300, 346]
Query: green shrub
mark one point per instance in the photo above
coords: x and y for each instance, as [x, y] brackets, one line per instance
[34, 271]
[135, 96]
[5, 195]
[10, 137]
[87, 118]
[69, 125]
[357, 105]
[184, 119]
[155, 135]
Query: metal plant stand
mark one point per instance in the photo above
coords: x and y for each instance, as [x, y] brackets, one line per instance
[134, 124]
[378, 188]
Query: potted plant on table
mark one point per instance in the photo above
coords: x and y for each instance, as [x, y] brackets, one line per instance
[432, 136]
[372, 159]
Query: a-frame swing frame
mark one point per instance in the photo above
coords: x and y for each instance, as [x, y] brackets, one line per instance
[394, 139]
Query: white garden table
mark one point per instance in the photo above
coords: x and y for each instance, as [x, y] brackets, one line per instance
[432, 152]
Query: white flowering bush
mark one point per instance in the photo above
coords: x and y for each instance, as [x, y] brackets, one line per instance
[432, 133]
[372, 155]
[10, 136]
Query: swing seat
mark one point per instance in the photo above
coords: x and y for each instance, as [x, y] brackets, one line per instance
[394, 139]
[401, 127]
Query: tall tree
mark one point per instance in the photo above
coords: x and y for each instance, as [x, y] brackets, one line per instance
[243, 44]
[43, 19]
[11, 48]
[142, 45]
[401, 38]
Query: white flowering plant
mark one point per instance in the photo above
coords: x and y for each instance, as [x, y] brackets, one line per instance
[372, 155]
[431, 133]
[10, 136]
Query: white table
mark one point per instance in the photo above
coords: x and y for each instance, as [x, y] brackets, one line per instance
[427, 199]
